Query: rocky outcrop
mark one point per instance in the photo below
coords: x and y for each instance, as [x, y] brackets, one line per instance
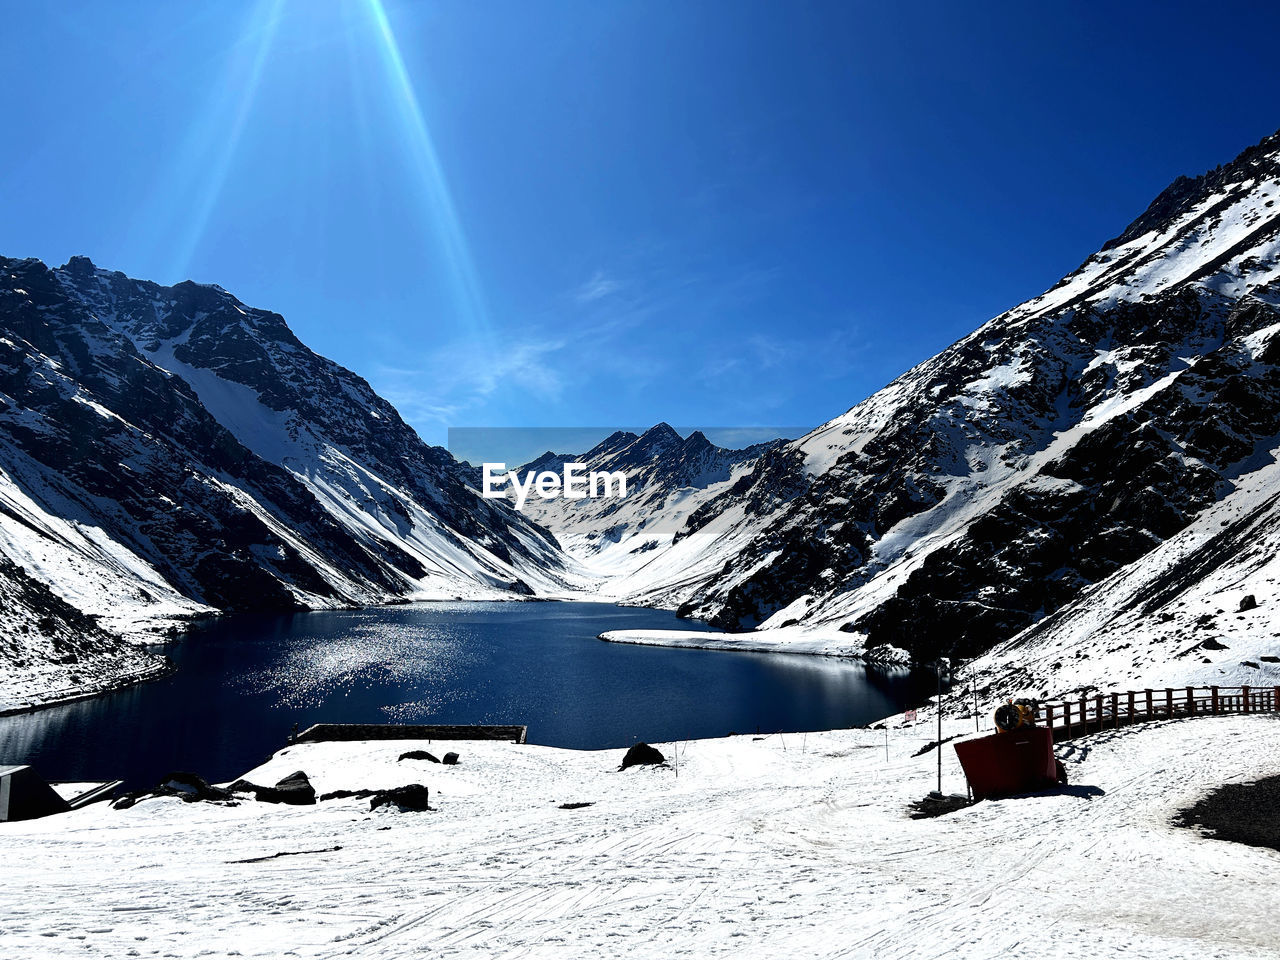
[1058, 443]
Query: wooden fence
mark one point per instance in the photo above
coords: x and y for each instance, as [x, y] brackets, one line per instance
[1103, 711]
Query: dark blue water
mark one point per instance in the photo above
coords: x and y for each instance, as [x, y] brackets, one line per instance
[244, 682]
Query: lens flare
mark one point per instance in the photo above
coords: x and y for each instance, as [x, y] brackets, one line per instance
[180, 207]
[442, 215]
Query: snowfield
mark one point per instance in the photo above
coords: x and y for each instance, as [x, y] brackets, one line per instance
[828, 641]
[795, 846]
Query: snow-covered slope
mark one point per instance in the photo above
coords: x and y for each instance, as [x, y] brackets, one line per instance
[1060, 442]
[50, 651]
[1202, 608]
[741, 847]
[166, 451]
[668, 478]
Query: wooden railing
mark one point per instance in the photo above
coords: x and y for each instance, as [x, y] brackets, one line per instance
[1103, 711]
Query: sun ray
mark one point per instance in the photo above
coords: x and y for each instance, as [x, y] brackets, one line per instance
[178, 214]
[441, 212]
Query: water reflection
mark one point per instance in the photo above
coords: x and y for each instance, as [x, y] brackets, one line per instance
[243, 682]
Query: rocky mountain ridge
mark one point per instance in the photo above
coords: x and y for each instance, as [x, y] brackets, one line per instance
[669, 477]
[167, 451]
[1058, 443]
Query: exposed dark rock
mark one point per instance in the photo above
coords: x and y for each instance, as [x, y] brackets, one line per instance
[419, 755]
[1247, 602]
[191, 788]
[450, 759]
[1199, 375]
[641, 753]
[295, 789]
[411, 797]
[128, 448]
[346, 794]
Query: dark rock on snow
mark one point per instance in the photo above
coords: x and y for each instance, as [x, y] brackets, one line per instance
[294, 789]
[641, 753]
[419, 755]
[191, 788]
[412, 797]
[450, 758]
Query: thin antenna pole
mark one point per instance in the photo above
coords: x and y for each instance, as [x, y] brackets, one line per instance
[973, 684]
[939, 726]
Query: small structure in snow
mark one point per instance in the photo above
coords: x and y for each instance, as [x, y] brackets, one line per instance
[1018, 758]
[24, 795]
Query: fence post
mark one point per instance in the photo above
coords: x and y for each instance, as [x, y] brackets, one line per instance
[1131, 695]
[1168, 703]
[1275, 706]
[1151, 708]
[1048, 715]
[1115, 709]
[1066, 716]
[1213, 696]
[1097, 709]
[1191, 700]
[1084, 714]
[1244, 698]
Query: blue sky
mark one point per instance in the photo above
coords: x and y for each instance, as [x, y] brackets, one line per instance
[556, 214]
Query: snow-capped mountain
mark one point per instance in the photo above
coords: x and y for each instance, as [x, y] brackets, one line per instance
[668, 478]
[1059, 443]
[168, 450]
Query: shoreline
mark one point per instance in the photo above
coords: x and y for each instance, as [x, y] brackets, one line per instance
[165, 668]
[802, 641]
[161, 631]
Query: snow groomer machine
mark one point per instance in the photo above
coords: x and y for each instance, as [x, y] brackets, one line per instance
[1017, 758]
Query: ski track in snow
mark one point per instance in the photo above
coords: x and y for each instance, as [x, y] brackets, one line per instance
[783, 846]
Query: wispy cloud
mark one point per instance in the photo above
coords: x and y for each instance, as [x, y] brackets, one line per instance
[456, 378]
[599, 286]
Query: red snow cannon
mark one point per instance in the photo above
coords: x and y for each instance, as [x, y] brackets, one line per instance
[1018, 758]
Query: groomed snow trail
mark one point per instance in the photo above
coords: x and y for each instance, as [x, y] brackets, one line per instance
[795, 846]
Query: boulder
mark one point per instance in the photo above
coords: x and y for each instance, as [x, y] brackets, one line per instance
[295, 789]
[414, 796]
[450, 758]
[1248, 602]
[191, 788]
[639, 753]
[420, 755]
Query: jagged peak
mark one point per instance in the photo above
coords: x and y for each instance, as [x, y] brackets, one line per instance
[80, 266]
[1185, 191]
[698, 439]
[660, 431]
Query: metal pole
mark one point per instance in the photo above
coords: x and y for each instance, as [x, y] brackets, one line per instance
[939, 726]
[973, 684]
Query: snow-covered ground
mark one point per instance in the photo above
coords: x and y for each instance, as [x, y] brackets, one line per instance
[823, 641]
[795, 846]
